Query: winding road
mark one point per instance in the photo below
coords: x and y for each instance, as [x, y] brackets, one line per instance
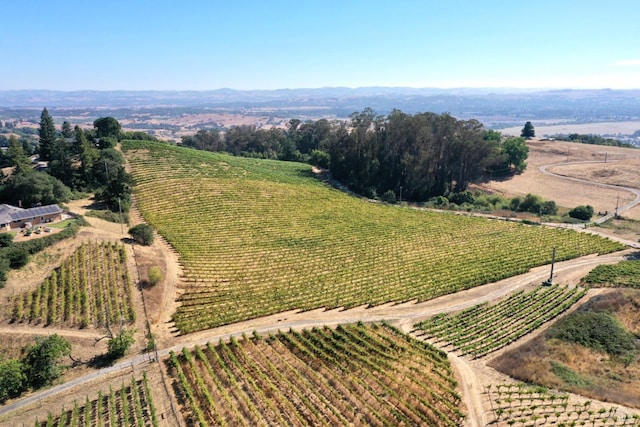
[403, 315]
[545, 170]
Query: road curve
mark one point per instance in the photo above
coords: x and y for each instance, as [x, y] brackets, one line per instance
[544, 170]
[404, 315]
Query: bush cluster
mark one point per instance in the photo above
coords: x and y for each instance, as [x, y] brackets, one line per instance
[38, 367]
[599, 331]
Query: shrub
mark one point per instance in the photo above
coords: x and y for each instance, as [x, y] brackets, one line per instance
[6, 240]
[439, 201]
[120, 344]
[13, 381]
[599, 331]
[461, 198]
[142, 234]
[549, 208]
[531, 203]
[17, 257]
[320, 158]
[155, 275]
[583, 213]
[514, 205]
[41, 359]
[389, 197]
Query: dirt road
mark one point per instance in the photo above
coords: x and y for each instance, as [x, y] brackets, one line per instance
[403, 316]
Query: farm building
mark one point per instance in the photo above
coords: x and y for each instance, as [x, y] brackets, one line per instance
[12, 217]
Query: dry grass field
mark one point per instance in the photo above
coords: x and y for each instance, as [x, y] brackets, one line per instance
[621, 168]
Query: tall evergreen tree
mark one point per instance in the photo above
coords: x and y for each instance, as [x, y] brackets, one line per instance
[16, 155]
[47, 133]
[528, 131]
[67, 132]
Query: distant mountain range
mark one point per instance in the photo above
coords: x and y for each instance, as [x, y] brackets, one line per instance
[489, 105]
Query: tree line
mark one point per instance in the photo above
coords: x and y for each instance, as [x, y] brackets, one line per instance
[411, 157]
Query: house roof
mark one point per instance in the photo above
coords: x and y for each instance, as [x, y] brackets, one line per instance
[5, 210]
[10, 213]
[34, 212]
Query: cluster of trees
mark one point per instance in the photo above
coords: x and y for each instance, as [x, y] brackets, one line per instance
[410, 157]
[78, 160]
[592, 139]
[38, 367]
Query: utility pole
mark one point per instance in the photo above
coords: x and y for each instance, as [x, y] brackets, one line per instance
[617, 204]
[401, 194]
[549, 281]
[121, 222]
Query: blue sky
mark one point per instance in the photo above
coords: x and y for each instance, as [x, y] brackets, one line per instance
[262, 44]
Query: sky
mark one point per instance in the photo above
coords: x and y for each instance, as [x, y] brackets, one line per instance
[273, 44]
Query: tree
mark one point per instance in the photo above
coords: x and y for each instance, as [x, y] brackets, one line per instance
[583, 213]
[13, 380]
[34, 188]
[107, 127]
[142, 234]
[528, 131]
[118, 346]
[67, 132]
[88, 155]
[42, 358]
[47, 134]
[516, 151]
[16, 155]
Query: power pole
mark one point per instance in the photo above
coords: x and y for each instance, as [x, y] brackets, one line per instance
[549, 281]
[121, 222]
[617, 204]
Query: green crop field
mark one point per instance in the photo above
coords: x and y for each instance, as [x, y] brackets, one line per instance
[485, 328]
[257, 237]
[354, 375]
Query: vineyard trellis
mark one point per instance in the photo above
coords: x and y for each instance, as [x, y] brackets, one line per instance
[258, 237]
[92, 287]
[520, 404]
[485, 328]
[352, 375]
[131, 405]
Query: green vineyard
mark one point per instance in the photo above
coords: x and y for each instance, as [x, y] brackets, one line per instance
[90, 288]
[354, 375]
[623, 274]
[129, 406]
[258, 237]
[485, 328]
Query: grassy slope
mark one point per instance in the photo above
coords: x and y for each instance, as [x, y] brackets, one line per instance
[257, 237]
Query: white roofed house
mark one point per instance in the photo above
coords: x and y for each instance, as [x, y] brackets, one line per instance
[12, 217]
